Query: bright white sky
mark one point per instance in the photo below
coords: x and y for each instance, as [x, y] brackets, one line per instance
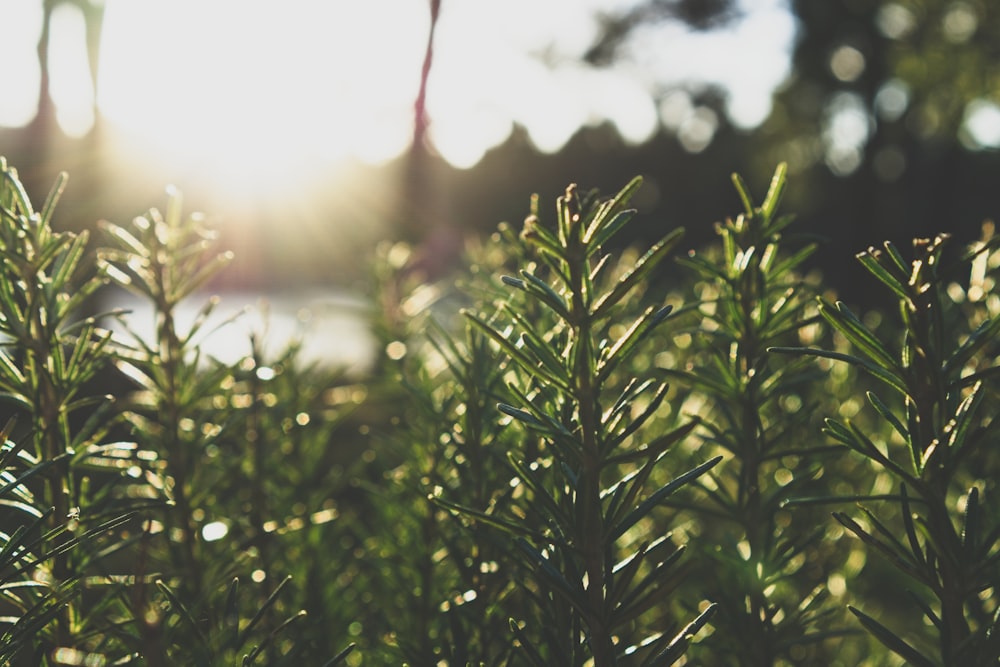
[224, 82]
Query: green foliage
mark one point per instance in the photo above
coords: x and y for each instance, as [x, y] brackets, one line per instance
[762, 558]
[161, 259]
[582, 466]
[940, 534]
[583, 505]
[211, 431]
[104, 553]
[30, 605]
[48, 358]
[445, 587]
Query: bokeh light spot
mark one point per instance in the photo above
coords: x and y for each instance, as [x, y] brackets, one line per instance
[894, 20]
[981, 125]
[960, 23]
[395, 350]
[214, 531]
[847, 63]
[698, 129]
[845, 133]
[889, 163]
[892, 99]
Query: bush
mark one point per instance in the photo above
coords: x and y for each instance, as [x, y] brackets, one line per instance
[582, 466]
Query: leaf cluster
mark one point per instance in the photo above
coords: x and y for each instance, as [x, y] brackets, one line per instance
[585, 462]
[936, 530]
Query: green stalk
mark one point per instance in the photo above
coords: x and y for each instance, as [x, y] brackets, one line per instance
[932, 408]
[48, 419]
[50, 431]
[171, 358]
[591, 528]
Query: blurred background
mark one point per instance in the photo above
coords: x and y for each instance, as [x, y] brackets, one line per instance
[311, 130]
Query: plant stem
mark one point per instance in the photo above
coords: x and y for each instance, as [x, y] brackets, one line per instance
[171, 358]
[49, 432]
[931, 397]
[591, 527]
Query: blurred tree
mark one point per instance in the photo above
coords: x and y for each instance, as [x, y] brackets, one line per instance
[887, 117]
[890, 120]
[890, 123]
[615, 28]
[929, 69]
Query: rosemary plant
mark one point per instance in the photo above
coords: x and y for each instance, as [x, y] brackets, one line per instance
[49, 356]
[579, 521]
[31, 610]
[162, 259]
[940, 529]
[761, 563]
[466, 573]
[516, 487]
[213, 433]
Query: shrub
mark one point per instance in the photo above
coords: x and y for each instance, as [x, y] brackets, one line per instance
[583, 466]
[935, 529]
[765, 561]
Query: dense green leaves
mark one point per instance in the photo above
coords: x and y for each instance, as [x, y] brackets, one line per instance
[941, 423]
[518, 484]
[49, 357]
[755, 567]
[571, 388]
[86, 516]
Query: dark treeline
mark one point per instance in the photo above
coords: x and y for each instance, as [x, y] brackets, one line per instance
[916, 173]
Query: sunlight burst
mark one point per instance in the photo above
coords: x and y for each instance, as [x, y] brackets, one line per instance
[254, 91]
[257, 96]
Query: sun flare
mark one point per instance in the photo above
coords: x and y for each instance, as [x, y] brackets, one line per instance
[252, 92]
[255, 96]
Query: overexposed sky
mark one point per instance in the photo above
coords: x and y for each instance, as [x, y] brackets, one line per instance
[224, 81]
